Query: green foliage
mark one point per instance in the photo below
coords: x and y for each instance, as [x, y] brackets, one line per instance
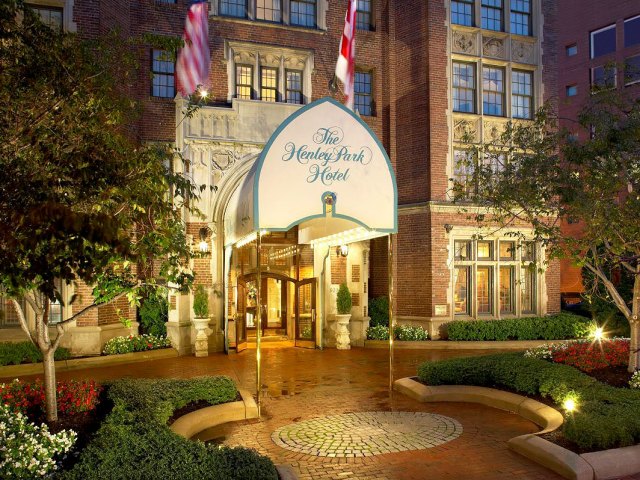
[379, 311]
[556, 327]
[410, 333]
[378, 332]
[201, 302]
[154, 313]
[343, 300]
[26, 352]
[134, 442]
[134, 343]
[606, 417]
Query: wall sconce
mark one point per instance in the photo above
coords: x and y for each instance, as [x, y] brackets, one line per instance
[203, 246]
[342, 250]
[448, 227]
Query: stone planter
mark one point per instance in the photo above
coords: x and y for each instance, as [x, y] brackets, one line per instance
[343, 338]
[203, 331]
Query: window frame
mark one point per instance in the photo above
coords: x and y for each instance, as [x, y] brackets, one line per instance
[571, 48]
[592, 42]
[365, 27]
[287, 89]
[280, 12]
[605, 68]
[273, 89]
[530, 97]
[161, 74]
[502, 94]
[473, 90]
[235, 3]
[636, 72]
[315, 13]
[568, 89]
[250, 85]
[631, 19]
[487, 8]
[468, 3]
[369, 95]
[528, 14]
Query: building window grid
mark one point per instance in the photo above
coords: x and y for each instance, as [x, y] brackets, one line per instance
[363, 15]
[632, 31]
[491, 15]
[269, 10]
[162, 69]
[52, 17]
[293, 86]
[233, 8]
[603, 77]
[521, 17]
[603, 41]
[269, 84]
[493, 91]
[474, 287]
[632, 70]
[303, 13]
[362, 87]
[464, 87]
[462, 12]
[521, 94]
[244, 82]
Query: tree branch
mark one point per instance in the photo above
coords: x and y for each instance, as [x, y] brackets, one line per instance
[88, 309]
[22, 320]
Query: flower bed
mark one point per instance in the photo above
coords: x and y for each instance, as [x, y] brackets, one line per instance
[403, 333]
[135, 343]
[585, 355]
[16, 353]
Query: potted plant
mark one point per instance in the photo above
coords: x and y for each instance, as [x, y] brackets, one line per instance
[201, 320]
[343, 307]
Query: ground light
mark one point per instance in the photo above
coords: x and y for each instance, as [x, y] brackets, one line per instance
[569, 405]
[598, 333]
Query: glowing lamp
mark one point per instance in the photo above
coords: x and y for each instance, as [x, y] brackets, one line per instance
[598, 333]
[569, 405]
[342, 250]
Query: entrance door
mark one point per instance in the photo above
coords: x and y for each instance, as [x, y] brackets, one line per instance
[306, 313]
[240, 319]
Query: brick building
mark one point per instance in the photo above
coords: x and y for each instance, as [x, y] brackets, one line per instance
[426, 71]
[599, 46]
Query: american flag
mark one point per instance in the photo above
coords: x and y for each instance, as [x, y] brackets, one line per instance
[192, 69]
[345, 67]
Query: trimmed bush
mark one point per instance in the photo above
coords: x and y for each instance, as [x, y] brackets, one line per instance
[26, 352]
[343, 300]
[154, 313]
[379, 332]
[606, 417]
[201, 302]
[134, 442]
[562, 326]
[379, 311]
[410, 333]
[135, 343]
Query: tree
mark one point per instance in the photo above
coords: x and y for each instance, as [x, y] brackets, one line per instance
[80, 199]
[537, 173]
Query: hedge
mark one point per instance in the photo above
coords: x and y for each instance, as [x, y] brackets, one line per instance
[606, 416]
[134, 441]
[404, 333]
[562, 326]
[26, 352]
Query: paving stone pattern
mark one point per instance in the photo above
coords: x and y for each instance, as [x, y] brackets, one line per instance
[366, 434]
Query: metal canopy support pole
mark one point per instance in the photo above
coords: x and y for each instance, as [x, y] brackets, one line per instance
[390, 272]
[258, 321]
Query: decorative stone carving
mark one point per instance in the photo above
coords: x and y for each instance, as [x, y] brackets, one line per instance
[463, 130]
[522, 52]
[201, 326]
[492, 131]
[464, 42]
[493, 47]
[343, 338]
[295, 62]
[224, 159]
[243, 56]
[270, 60]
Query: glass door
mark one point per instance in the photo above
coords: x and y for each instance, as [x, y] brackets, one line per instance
[305, 305]
[240, 319]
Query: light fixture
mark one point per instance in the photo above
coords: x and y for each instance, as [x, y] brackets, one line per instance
[204, 244]
[342, 250]
[598, 334]
[448, 227]
[569, 404]
[203, 93]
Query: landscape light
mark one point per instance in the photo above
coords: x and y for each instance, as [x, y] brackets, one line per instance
[204, 93]
[569, 405]
[598, 333]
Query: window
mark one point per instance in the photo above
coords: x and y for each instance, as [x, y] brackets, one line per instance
[162, 69]
[233, 8]
[362, 92]
[464, 87]
[529, 252]
[506, 290]
[293, 80]
[492, 15]
[463, 250]
[603, 41]
[55, 307]
[521, 17]
[462, 12]
[632, 70]
[269, 84]
[244, 82]
[363, 15]
[493, 91]
[462, 291]
[303, 13]
[571, 50]
[484, 288]
[463, 168]
[485, 250]
[528, 290]
[603, 77]
[50, 16]
[269, 10]
[507, 250]
[632, 31]
[521, 94]
[572, 90]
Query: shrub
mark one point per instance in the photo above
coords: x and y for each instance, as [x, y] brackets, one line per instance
[154, 313]
[379, 332]
[635, 380]
[606, 417]
[201, 302]
[27, 450]
[379, 311]
[343, 300]
[135, 343]
[407, 333]
[26, 352]
[585, 355]
[556, 327]
[134, 442]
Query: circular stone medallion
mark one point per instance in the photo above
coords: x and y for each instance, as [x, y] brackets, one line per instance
[366, 434]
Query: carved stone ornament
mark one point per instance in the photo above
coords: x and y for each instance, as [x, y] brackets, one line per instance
[493, 47]
[464, 42]
[492, 131]
[243, 57]
[522, 52]
[463, 130]
[295, 62]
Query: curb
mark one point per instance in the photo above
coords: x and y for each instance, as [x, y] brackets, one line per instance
[460, 345]
[88, 362]
[606, 464]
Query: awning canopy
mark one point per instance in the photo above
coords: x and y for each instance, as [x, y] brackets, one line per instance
[323, 169]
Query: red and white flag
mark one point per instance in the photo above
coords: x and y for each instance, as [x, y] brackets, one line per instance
[192, 69]
[346, 66]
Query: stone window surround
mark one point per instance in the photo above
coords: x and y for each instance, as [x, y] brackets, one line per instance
[466, 234]
[322, 6]
[67, 11]
[534, 16]
[258, 55]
